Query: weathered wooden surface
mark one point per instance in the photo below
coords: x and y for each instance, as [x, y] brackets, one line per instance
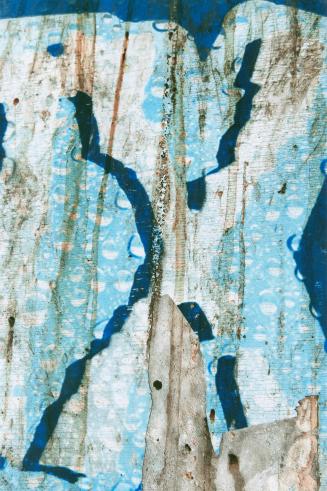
[179, 454]
[178, 451]
[67, 228]
[281, 455]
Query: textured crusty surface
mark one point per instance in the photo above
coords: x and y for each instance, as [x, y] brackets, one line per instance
[163, 112]
[179, 455]
[178, 446]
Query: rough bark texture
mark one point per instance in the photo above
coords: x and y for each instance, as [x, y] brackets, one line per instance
[179, 455]
[282, 455]
[178, 446]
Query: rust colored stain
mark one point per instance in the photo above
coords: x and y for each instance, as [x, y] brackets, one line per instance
[118, 92]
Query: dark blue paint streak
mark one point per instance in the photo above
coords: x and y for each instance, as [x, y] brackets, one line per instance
[311, 258]
[197, 320]
[202, 19]
[55, 49]
[196, 193]
[145, 224]
[228, 393]
[226, 385]
[3, 129]
[226, 151]
[3, 462]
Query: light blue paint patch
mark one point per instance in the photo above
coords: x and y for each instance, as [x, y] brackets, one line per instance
[64, 270]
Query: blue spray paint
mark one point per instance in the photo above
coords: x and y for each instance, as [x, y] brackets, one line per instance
[3, 462]
[3, 129]
[202, 20]
[226, 152]
[150, 237]
[56, 49]
[229, 394]
[311, 257]
[226, 385]
[197, 320]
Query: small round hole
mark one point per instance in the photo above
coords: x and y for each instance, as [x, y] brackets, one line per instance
[157, 384]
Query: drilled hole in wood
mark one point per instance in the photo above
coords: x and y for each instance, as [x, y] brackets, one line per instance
[157, 384]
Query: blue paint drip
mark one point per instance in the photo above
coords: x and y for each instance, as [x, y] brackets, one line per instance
[3, 462]
[55, 49]
[226, 152]
[228, 393]
[226, 384]
[202, 20]
[3, 129]
[311, 258]
[197, 320]
[150, 237]
[196, 193]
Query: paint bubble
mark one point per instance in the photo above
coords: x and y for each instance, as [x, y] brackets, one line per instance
[109, 250]
[124, 282]
[272, 215]
[59, 198]
[138, 439]
[77, 302]
[161, 26]
[268, 308]
[100, 219]
[117, 27]
[85, 483]
[61, 171]
[314, 312]
[107, 19]
[299, 275]
[121, 201]
[293, 243]
[76, 154]
[98, 286]
[133, 423]
[294, 212]
[77, 274]
[275, 271]
[135, 247]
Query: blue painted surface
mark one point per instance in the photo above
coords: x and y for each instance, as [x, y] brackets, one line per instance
[293, 358]
[197, 320]
[2, 462]
[311, 257]
[145, 224]
[3, 129]
[226, 151]
[228, 392]
[203, 20]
